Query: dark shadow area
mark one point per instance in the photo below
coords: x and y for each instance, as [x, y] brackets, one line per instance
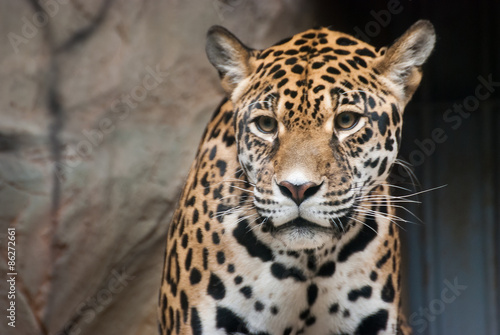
[450, 138]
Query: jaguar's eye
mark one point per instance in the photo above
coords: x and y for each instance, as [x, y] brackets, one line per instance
[346, 120]
[266, 124]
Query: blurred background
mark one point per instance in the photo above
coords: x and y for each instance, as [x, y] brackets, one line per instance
[103, 103]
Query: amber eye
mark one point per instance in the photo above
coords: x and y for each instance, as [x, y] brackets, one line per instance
[346, 120]
[266, 124]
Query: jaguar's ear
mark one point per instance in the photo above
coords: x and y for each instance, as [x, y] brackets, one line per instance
[402, 61]
[229, 56]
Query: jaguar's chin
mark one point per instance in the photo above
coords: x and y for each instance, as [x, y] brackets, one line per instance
[303, 234]
[300, 224]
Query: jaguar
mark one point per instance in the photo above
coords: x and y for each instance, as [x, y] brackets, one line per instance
[286, 224]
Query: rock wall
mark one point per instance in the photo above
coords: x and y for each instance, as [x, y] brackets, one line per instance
[102, 105]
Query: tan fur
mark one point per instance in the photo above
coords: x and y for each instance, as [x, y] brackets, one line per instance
[241, 256]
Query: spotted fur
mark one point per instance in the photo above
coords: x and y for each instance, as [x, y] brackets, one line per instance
[285, 225]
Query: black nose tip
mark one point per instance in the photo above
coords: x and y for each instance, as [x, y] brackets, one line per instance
[298, 193]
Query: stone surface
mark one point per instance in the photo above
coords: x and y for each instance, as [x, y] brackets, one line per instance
[102, 106]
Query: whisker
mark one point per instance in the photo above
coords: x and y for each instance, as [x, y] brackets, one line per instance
[375, 214]
[237, 180]
[333, 221]
[390, 217]
[379, 214]
[246, 218]
[359, 206]
[364, 224]
[384, 200]
[409, 212]
[341, 224]
[407, 167]
[243, 218]
[242, 189]
[398, 187]
[230, 196]
[233, 210]
[258, 225]
[424, 191]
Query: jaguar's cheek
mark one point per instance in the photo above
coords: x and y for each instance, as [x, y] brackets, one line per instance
[247, 166]
[265, 176]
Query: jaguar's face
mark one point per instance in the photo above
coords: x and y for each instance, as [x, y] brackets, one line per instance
[318, 123]
[312, 153]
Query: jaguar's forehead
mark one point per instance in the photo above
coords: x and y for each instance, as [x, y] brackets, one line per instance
[312, 73]
[315, 43]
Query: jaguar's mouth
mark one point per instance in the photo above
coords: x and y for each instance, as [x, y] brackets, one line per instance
[301, 233]
[300, 224]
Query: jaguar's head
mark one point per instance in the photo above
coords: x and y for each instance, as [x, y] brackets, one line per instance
[318, 122]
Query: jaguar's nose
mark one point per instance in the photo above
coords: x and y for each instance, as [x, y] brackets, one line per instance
[298, 193]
